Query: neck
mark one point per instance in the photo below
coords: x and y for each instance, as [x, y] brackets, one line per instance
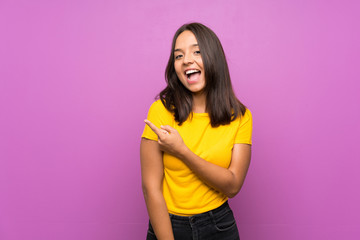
[199, 103]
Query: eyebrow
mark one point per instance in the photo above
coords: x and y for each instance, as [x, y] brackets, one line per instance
[193, 45]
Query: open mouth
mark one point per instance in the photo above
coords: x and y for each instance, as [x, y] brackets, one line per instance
[193, 75]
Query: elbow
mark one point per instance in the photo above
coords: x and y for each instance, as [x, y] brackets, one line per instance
[234, 186]
[233, 190]
[232, 193]
[145, 191]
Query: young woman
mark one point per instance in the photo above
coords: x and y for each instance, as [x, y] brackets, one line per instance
[196, 146]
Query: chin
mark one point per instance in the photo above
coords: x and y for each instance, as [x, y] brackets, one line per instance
[197, 91]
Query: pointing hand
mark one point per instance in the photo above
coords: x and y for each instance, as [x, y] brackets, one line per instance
[169, 139]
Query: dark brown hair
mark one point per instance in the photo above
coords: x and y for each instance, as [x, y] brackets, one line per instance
[221, 102]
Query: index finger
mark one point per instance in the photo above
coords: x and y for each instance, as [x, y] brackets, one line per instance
[155, 129]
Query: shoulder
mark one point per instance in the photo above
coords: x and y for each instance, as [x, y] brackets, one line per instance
[158, 115]
[244, 118]
[245, 126]
[158, 106]
[247, 116]
[158, 110]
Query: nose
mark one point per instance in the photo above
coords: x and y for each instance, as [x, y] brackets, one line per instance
[188, 59]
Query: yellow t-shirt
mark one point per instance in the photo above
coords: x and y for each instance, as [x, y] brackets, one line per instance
[185, 194]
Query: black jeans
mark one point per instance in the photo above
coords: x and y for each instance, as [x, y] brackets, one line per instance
[217, 224]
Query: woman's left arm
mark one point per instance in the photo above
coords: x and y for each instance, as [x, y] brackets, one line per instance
[226, 180]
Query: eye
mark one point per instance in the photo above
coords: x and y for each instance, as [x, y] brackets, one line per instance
[197, 52]
[178, 56]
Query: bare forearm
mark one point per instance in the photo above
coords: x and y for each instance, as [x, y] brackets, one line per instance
[159, 216]
[221, 179]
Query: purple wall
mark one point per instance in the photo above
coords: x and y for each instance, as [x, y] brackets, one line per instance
[77, 79]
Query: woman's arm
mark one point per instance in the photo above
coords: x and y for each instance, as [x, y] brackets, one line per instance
[152, 173]
[226, 180]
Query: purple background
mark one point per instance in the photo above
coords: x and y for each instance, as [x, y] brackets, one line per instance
[77, 79]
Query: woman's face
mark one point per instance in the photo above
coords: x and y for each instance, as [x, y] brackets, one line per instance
[188, 62]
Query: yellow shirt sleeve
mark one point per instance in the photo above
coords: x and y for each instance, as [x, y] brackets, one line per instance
[158, 115]
[244, 133]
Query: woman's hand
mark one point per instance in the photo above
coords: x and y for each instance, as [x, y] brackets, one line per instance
[169, 139]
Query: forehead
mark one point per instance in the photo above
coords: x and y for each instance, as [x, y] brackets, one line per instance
[185, 39]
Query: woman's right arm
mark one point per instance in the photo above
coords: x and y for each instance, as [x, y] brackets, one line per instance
[152, 174]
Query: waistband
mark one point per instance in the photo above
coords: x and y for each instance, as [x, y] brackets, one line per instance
[202, 216]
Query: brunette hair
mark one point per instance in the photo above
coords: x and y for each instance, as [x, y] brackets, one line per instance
[221, 102]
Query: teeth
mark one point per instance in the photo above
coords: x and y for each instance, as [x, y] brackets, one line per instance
[191, 71]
